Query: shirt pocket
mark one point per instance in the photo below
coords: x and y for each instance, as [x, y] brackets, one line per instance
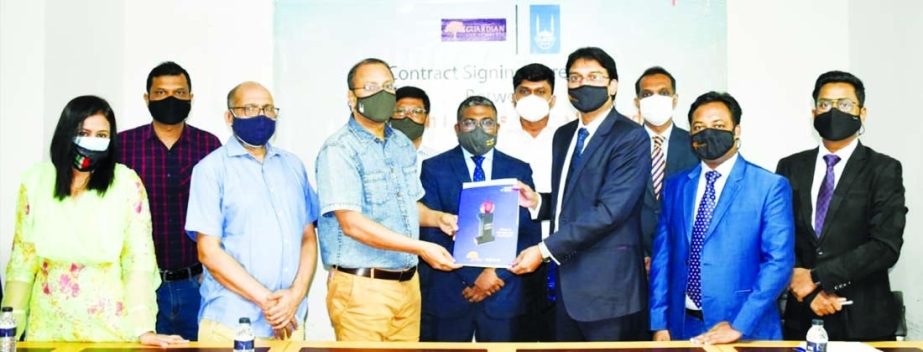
[412, 181]
[376, 189]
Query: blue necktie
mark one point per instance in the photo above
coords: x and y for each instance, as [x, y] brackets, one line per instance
[582, 134]
[702, 220]
[478, 170]
[578, 151]
[825, 194]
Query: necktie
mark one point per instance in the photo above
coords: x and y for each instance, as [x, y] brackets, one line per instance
[658, 165]
[578, 151]
[478, 170]
[702, 220]
[551, 280]
[825, 194]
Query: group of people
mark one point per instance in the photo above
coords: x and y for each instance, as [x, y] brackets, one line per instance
[629, 229]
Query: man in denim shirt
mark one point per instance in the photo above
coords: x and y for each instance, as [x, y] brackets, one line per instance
[370, 217]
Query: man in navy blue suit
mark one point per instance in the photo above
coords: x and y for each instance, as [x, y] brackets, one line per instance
[600, 165]
[671, 152]
[724, 247]
[472, 302]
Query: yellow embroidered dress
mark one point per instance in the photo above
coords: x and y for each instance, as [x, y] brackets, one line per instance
[82, 269]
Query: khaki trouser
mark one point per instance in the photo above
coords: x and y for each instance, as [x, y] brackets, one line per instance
[366, 309]
[213, 331]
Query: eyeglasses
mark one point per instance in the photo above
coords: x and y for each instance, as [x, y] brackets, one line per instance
[254, 110]
[593, 77]
[409, 111]
[373, 87]
[842, 104]
[469, 125]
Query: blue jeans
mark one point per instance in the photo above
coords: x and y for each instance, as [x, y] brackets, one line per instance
[178, 308]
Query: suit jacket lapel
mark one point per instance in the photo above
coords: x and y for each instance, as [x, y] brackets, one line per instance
[459, 166]
[731, 188]
[498, 165]
[850, 172]
[688, 201]
[805, 182]
[672, 145]
[594, 143]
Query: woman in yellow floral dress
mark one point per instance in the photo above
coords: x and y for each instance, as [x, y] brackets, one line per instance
[82, 266]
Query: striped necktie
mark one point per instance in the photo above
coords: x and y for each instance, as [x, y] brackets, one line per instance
[658, 166]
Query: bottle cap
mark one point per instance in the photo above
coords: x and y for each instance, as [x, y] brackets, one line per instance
[244, 320]
[817, 322]
[6, 309]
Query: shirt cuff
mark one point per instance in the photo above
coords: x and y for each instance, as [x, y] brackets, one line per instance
[546, 254]
[534, 212]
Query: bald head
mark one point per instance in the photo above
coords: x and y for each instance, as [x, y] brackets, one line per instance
[249, 93]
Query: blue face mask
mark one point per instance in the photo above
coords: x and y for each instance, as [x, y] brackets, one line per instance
[254, 131]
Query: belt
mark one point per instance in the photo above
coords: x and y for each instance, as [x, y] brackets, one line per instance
[379, 273]
[695, 314]
[180, 274]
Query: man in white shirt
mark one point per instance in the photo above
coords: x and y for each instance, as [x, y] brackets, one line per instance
[529, 139]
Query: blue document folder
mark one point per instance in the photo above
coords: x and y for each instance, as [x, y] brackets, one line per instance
[488, 223]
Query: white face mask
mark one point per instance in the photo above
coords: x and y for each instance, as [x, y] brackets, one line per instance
[532, 108]
[96, 144]
[657, 109]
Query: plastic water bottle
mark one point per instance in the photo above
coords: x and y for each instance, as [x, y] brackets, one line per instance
[817, 337]
[7, 330]
[243, 342]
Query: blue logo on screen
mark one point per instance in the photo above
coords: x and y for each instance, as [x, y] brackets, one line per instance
[545, 29]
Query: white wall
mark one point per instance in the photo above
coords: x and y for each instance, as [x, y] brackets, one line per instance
[885, 51]
[53, 50]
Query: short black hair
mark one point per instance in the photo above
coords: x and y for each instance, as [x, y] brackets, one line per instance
[656, 70]
[63, 150]
[720, 97]
[534, 72]
[413, 92]
[167, 68]
[475, 100]
[840, 77]
[368, 61]
[595, 54]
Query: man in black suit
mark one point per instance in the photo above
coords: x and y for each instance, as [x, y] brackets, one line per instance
[849, 222]
[671, 150]
[600, 166]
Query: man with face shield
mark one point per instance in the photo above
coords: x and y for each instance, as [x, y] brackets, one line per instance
[371, 216]
[849, 219]
[251, 212]
[723, 251]
[163, 153]
[655, 98]
[472, 302]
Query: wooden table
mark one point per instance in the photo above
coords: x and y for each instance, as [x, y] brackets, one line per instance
[329, 346]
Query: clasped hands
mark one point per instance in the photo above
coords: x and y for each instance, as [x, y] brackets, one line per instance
[824, 303]
[486, 285]
[279, 309]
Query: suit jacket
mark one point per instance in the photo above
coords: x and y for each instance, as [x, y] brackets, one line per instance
[747, 258]
[442, 179]
[861, 239]
[598, 241]
[679, 158]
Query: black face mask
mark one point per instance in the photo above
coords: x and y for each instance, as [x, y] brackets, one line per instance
[588, 98]
[170, 110]
[712, 143]
[87, 160]
[835, 125]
